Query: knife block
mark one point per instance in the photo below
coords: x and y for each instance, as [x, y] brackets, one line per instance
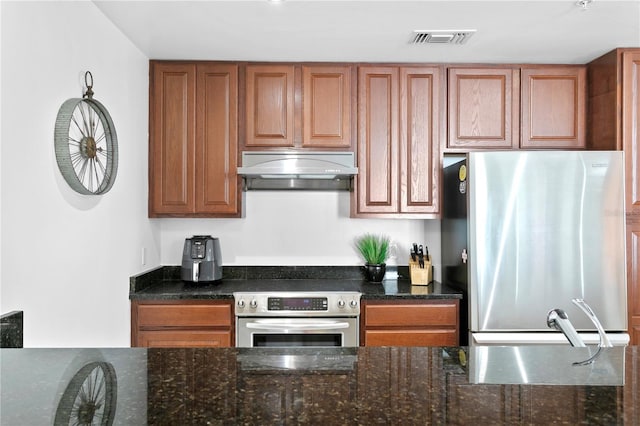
[420, 276]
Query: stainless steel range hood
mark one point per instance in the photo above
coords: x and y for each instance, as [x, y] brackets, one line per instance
[298, 170]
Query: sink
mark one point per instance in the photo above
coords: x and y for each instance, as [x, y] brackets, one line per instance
[546, 365]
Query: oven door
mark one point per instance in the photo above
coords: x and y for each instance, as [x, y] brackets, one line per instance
[296, 332]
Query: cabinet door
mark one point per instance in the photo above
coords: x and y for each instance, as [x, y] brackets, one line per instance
[631, 127]
[553, 107]
[483, 108]
[420, 106]
[172, 138]
[407, 337]
[270, 105]
[217, 184]
[326, 106]
[184, 339]
[633, 278]
[432, 323]
[377, 180]
[181, 324]
[192, 314]
[631, 146]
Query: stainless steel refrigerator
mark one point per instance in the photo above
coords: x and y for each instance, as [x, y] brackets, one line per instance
[525, 232]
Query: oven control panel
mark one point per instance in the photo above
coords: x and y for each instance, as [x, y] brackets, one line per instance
[297, 303]
[344, 303]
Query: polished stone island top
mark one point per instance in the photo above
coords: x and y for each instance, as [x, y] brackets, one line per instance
[164, 283]
[342, 386]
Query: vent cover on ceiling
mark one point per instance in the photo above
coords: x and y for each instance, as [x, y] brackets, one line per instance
[442, 36]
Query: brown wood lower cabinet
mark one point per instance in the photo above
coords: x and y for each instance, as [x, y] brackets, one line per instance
[182, 324]
[410, 323]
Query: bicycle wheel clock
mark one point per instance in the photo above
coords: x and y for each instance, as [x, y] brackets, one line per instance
[90, 397]
[86, 144]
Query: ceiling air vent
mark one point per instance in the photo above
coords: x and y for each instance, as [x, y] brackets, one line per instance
[442, 36]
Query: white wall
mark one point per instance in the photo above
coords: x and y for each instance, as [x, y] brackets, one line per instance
[67, 258]
[297, 228]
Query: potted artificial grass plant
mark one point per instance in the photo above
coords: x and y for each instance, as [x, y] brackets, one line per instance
[374, 249]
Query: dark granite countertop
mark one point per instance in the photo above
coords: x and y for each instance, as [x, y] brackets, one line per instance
[164, 283]
[342, 386]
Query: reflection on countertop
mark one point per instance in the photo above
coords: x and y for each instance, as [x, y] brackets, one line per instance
[365, 385]
[164, 283]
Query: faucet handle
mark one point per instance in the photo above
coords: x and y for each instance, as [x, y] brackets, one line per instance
[604, 340]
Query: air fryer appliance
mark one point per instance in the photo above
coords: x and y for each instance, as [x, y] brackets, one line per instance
[201, 259]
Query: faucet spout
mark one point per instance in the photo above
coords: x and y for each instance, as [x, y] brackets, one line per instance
[559, 320]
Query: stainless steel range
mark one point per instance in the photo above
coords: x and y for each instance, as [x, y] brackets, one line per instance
[294, 319]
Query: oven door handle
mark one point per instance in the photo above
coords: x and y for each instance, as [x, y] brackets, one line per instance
[296, 326]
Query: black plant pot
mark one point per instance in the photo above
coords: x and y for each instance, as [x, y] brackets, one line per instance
[375, 273]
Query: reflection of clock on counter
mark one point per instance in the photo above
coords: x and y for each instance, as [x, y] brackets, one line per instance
[86, 144]
[90, 397]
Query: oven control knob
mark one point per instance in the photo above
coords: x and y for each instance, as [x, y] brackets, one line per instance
[241, 303]
[253, 304]
[353, 303]
[341, 303]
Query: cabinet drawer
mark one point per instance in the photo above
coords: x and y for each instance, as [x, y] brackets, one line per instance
[411, 338]
[183, 338]
[192, 315]
[444, 314]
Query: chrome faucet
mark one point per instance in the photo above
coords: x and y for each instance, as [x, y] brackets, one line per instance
[558, 319]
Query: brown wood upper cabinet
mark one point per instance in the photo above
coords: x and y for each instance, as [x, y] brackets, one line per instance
[299, 106]
[270, 109]
[530, 107]
[399, 113]
[326, 106]
[553, 107]
[193, 141]
[483, 108]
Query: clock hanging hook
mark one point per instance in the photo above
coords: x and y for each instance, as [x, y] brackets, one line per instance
[89, 93]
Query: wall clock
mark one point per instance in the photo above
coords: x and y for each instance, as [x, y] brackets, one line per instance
[90, 397]
[86, 143]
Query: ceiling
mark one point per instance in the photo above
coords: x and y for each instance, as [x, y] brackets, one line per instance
[533, 31]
